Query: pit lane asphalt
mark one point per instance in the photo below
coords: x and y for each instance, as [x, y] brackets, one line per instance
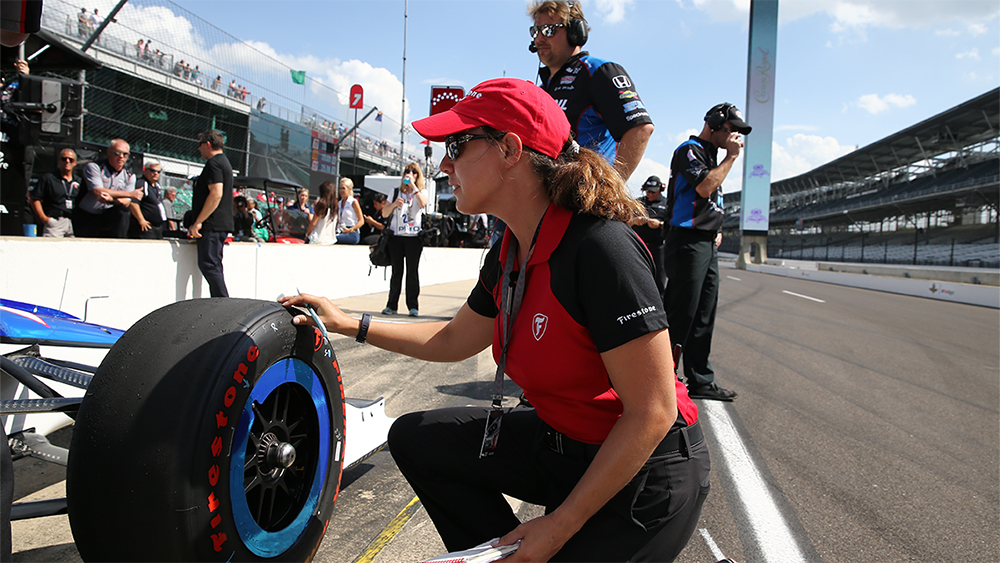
[872, 420]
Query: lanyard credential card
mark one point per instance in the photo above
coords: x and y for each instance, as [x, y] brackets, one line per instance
[508, 312]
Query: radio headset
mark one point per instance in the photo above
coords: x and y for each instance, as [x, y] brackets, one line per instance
[576, 31]
[718, 115]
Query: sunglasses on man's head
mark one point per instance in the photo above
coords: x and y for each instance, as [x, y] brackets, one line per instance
[452, 144]
[548, 30]
[120, 153]
[67, 159]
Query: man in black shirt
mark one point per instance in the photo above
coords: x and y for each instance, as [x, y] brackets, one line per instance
[52, 199]
[651, 230]
[213, 200]
[148, 215]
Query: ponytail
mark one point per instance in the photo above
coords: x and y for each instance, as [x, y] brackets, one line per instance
[582, 181]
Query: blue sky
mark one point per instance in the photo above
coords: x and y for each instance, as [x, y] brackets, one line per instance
[848, 72]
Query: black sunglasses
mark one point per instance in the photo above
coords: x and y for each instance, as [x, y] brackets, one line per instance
[453, 142]
[548, 30]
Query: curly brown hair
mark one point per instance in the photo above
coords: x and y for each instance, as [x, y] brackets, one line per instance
[581, 181]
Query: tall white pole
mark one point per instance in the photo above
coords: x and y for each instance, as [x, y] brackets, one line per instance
[756, 195]
[402, 118]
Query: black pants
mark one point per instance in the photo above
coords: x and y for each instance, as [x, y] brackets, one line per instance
[692, 296]
[651, 519]
[404, 250]
[210, 247]
[155, 232]
[111, 223]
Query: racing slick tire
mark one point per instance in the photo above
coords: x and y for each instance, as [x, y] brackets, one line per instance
[212, 431]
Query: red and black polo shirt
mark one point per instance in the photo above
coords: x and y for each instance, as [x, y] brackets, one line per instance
[590, 289]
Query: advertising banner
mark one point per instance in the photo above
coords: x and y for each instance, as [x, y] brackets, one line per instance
[759, 114]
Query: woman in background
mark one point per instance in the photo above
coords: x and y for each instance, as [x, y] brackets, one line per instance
[348, 214]
[406, 211]
[302, 203]
[323, 225]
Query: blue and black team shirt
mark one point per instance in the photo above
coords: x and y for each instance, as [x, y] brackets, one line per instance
[599, 99]
[692, 162]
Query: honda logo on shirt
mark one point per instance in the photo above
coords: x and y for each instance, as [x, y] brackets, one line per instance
[621, 81]
[538, 325]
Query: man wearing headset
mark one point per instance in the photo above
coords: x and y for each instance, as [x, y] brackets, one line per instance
[694, 201]
[600, 101]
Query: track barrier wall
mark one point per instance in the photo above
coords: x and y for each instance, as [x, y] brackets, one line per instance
[117, 282]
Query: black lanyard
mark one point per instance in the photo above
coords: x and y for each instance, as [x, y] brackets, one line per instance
[508, 314]
[510, 305]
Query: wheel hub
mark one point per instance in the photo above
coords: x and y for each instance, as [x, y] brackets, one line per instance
[273, 455]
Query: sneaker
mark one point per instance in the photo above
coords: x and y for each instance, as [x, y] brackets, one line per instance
[388, 311]
[413, 312]
[712, 392]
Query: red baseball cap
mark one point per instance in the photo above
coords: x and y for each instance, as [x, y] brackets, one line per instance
[511, 105]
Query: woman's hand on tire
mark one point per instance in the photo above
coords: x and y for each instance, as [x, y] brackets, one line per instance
[331, 315]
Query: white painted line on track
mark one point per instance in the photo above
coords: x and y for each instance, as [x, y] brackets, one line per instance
[772, 534]
[803, 296]
[734, 278]
[712, 546]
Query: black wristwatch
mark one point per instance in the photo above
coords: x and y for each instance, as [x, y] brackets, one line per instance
[366, 320]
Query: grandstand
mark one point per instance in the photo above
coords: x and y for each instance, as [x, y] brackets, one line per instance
[926, 195]
[159, 106]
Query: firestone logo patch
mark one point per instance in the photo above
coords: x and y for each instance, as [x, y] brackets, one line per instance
[538, 325]
[624, 318]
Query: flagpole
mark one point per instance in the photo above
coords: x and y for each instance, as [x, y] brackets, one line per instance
[402, 118]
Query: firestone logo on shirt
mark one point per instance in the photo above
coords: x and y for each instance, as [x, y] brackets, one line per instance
[538, 325]
[624, 318]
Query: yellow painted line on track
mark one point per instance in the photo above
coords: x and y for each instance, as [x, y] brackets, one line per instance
[389, 532]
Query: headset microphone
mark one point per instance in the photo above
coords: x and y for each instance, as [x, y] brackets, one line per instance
[532, 48]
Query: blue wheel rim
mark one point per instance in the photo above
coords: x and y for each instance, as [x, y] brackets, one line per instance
[306, 414]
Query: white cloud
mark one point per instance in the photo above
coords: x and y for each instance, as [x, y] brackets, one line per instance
[947, 32]
[874, 104]
[973, 54]
[676, 139]
[720, 10]
[996, 51]
[613, 11]
[801, 153]
[977, 29]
